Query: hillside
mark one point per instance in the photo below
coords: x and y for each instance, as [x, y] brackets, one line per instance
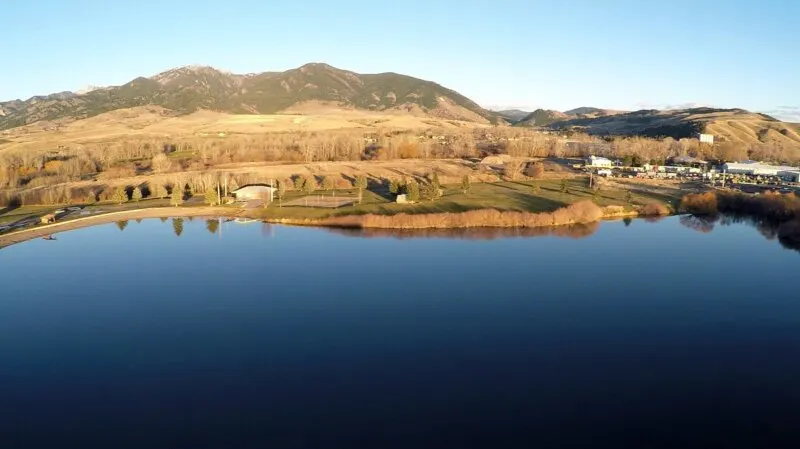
[590, 112]
[188, 89]
[735, 125]
[512, 115]
[542, 117]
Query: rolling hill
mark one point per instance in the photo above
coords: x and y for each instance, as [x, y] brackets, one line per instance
[543, 117]
[188, 89]
[733, 125]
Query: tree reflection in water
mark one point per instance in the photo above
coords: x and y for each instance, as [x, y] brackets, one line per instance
[786, 233]
[573, 231]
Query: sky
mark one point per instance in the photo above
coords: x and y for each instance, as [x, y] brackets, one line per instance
[561, 54]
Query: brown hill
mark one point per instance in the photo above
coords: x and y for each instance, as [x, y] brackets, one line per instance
[733, 125]
[188, 89]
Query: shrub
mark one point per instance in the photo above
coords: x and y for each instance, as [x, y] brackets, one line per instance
[700, 203]
[535, 170]
[654, 209]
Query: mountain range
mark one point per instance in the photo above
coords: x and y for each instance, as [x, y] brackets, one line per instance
[188, 89]
[191, 90]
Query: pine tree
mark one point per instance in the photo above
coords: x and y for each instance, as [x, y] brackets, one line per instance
[137, 194]
[120, 196]
[211, 196]
[309, 185]
[628, 197]
[564, 187]
[122, 224]
[394, 187]
[465, 184]
[412, 191]
[176, 197]
[91, 198]
[361, 184]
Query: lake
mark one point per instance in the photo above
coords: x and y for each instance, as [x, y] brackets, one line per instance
[188, 334]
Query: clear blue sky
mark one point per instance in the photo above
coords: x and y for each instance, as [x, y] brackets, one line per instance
[528, 53]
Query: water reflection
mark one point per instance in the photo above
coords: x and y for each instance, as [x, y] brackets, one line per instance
[770, 230]
[177, 226]
[573, 231]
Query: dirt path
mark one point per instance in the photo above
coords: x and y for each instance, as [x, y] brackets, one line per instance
[159, 212]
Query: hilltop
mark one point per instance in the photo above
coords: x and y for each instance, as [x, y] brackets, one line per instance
[188, 89]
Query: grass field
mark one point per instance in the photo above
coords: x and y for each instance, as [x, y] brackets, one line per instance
[506, 195]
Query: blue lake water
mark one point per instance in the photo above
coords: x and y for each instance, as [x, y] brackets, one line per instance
[645, 335]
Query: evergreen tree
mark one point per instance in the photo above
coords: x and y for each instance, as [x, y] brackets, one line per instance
[91, 198]
[137, 194]
[211, 196]
[309, 185]
[122, 224]
[394, 187]
[412, 191]
[465, 185]
[564, 186]
[120, 196]
[176, 197]
[628, 197]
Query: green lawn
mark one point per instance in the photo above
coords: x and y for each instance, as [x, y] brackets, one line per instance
[505, 195]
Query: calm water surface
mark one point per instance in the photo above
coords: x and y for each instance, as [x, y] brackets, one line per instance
[645, 335]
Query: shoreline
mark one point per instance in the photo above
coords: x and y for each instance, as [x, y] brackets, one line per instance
[341, 222]
[110, 217]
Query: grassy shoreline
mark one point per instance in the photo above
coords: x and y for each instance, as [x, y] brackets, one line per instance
[500, 204]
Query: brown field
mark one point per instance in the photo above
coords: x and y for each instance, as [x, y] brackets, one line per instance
[155, 122]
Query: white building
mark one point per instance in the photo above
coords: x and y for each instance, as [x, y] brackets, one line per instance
[594, 161]
[248, 193]
[754, 168]
[707, 138]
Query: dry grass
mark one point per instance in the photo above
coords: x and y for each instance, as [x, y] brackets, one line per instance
[579, 213]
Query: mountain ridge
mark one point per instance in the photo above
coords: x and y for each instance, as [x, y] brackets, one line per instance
[190, 88]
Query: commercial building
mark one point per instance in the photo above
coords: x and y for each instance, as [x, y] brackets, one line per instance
[754, 168]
